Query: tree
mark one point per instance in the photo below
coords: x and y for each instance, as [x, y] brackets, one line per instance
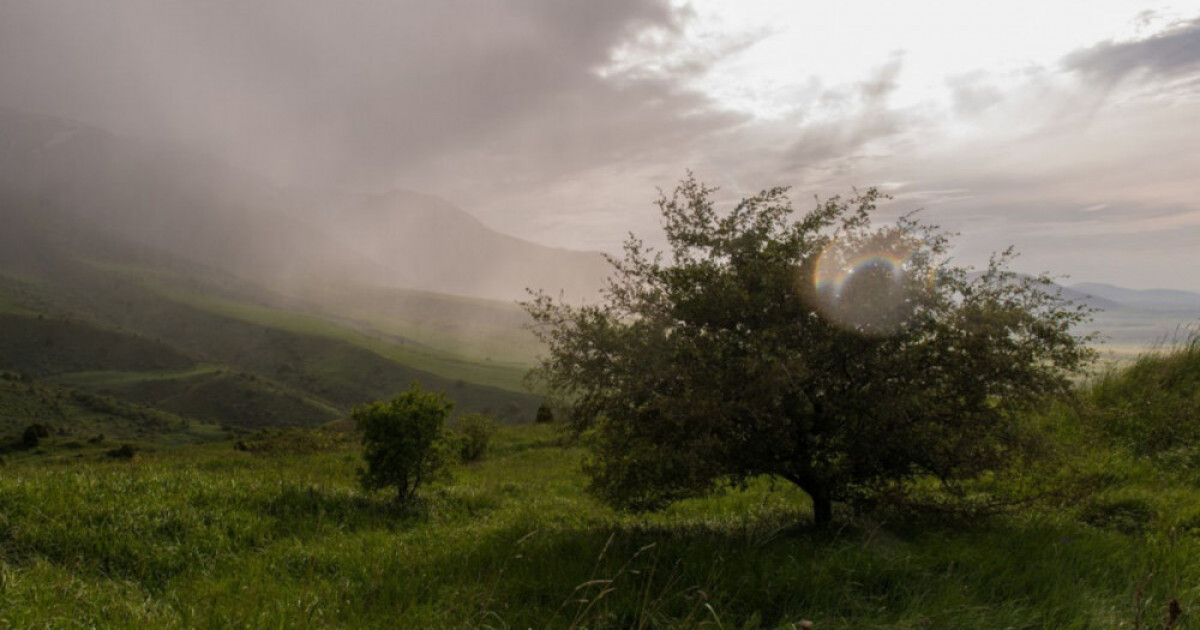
[846, 359]
[402, 441]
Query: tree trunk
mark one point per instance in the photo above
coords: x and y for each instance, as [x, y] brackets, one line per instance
[822, 510]
[822, 503]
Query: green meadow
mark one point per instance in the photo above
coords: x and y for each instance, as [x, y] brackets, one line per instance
[280, 535]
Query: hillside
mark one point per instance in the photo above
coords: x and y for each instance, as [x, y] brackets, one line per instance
[74, 417]
[166, 198]
[148, 328]
[426, 243]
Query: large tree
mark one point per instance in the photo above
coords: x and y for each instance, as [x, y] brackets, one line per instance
[815, 348]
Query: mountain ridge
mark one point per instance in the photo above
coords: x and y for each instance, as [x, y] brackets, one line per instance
[174, 199]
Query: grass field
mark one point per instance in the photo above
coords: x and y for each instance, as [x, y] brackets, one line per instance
[208, 536]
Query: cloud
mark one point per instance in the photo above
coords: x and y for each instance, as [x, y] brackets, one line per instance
[863, 118]
[350, 93]
[1171, 53]
[556, 120]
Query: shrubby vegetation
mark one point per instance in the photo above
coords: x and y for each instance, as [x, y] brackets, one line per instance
[514, 541]
[545, 414]
[473, 433]
[402, 440]
[293, 440]
[1153, 405]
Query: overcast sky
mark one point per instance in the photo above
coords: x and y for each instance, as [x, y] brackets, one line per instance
[1068, 129]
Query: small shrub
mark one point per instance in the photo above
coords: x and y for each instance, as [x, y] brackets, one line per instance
[33, 435]
[475, 431]
[545, 415]
[126, 452]
[401, 441]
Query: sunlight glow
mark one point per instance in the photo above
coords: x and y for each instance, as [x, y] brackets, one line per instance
[778, 59]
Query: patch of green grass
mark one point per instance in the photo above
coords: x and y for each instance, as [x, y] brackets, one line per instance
[109, 378]
[474, 329]
[211, 394]
[327, 370]
[210, 536]
[43, 346]
[386, 341]
[1152, 404]
[76, 418]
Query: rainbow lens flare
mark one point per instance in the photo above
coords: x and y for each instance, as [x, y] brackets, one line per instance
[871, 285]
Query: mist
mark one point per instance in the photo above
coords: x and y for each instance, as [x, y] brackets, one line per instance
[285, 123]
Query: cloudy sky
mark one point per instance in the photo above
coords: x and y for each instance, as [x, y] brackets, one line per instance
[1068, 129]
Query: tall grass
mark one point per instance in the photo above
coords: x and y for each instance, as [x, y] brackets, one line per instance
[212, 537]
[1153, 404]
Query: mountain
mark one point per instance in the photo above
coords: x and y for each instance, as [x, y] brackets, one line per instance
[169, 199]
[426, 243]
[1163, 298]
[1131, 320]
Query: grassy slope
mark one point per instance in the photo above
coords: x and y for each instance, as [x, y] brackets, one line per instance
[470, 328]
[322, 362]
[386, 340]
[75, 416]
[212, 394]
[216, 538]
[42, 346]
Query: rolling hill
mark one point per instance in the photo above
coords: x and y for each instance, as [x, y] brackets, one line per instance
[97, 316]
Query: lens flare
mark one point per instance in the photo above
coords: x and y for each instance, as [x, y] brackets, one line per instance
[871, 285]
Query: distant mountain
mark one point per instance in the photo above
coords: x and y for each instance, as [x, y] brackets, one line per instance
[1066, 292]
[170, 199]
[1134, 320]
[1142, 297]
[426, 243]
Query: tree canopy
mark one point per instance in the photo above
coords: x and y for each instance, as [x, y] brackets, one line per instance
[845, 358]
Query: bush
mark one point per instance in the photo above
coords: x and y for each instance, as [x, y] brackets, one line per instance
[33, 435]
[545, 415]
[401, 441]
[476, 431]
[126, 451]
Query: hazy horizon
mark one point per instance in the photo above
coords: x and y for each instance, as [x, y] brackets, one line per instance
[1074, 137]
